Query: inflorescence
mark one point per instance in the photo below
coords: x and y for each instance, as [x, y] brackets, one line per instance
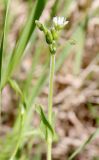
[51, 35]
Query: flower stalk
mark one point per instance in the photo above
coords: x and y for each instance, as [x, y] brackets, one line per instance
[51, 78]
[51, 36]
[50, 103]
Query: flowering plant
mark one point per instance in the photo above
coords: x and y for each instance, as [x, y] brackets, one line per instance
[51, 35]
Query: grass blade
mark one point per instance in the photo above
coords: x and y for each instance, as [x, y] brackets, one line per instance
[15, 86]
[23, 41]
[4, 35]
[2, 46]
[54, 8]
[82, 147]
[79, 37]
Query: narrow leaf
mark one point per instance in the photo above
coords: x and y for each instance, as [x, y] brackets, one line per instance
[15, 86]
[44, 119]
[23, 41]
[54, 8]
[3, 37]
[79, 36]
[82, 147]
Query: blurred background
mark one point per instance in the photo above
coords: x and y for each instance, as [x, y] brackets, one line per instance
[76, 81]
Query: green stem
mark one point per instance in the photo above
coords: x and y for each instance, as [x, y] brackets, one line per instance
[50, 102]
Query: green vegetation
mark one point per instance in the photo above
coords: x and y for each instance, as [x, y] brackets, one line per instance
[17, 143]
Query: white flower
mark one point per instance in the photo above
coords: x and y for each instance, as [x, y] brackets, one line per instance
[59, 21]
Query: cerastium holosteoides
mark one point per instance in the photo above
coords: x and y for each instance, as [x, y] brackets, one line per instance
[51, 36]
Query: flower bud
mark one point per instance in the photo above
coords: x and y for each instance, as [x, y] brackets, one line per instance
[49, 37]
[41, 26]
[52, 48]
[54, 33]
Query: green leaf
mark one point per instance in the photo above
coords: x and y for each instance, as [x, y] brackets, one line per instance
[82, 147]
[15, 86]
[18, 90]
[54, 8]
[44, 119]
[4, 36]
[23, 41]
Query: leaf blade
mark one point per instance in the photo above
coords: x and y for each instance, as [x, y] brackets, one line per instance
[4, 36]
[44, 119]
[82, 147]
[23, 41]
